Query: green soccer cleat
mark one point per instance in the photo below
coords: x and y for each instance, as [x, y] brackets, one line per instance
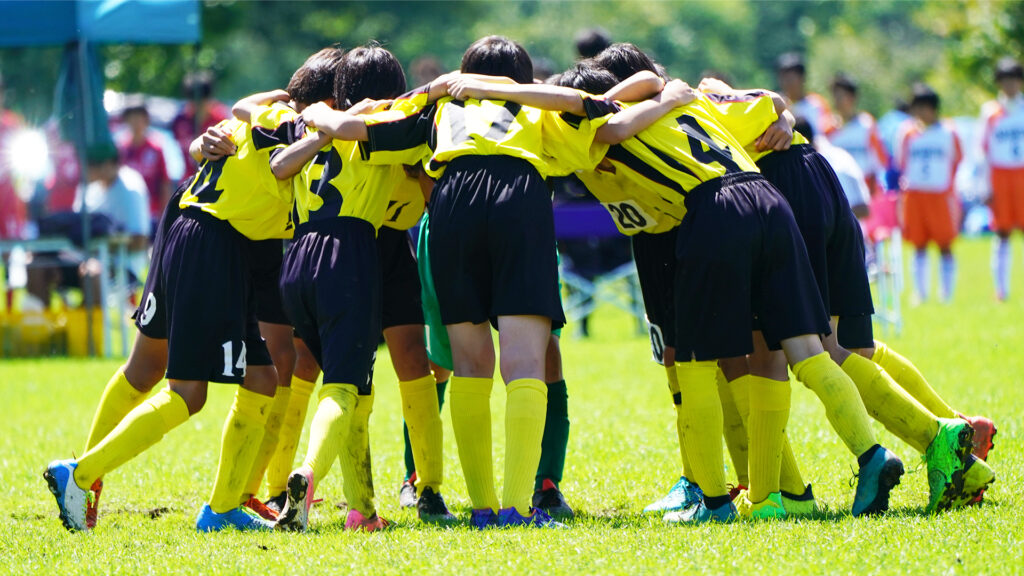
[800, 505]
[977, 477]
[945, 458]
[768, 509]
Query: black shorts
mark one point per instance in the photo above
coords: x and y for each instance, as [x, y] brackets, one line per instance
[265, 257]
[740, 256]
[655, 257]
[148, 322]
[400, 279]
[491, 242]
[835, 243]
[204, 291]
[330, 286]
[855, 332]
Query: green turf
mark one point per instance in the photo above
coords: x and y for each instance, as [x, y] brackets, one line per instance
[623, 454]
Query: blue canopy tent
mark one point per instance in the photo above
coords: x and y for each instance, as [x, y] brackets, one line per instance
[81, 25]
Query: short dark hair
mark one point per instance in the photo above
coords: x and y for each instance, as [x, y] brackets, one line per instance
[791, 61]
[591, 41]
[804, 127]
[314, 80]
[1008, 67]
[586, 75]
[100, 154]
[135, 109]
[843, 82]
[367, 72]
[198, 83]
[922, 94]
[498, 56]
[623, 60]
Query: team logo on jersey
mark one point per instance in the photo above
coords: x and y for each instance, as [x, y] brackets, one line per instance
[148, 310]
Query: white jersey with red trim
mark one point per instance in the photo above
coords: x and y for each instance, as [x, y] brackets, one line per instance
[859, 137]
[928, 156]
[1003, 138]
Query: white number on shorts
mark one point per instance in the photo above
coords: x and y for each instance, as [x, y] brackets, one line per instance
[657, 343]
[230, 365]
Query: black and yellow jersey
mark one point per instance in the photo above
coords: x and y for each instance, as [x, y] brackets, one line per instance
[406, 205]
[633, 209]
[240, 188]
[798, 138]
[689, 146]
[730, 108]
[447, 129]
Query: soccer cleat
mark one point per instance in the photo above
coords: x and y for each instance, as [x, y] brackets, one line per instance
[261, 509]
[767, 509]
[802, 505]
[734, 491]
[682, 495]
[92, 507]
[550, 499]
[945, 458]
[237, 518]
[295, 514]
[483, 518]
[700, 514]
[430, 507]
[407, 493]
[977, 477]
[509, 517]
[356, 522]
[875, 481]
[72, 500]
[984, 433]
[276, 503]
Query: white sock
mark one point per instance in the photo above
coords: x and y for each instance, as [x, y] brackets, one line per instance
[948, 272]
[1001, 265]
[921, 274]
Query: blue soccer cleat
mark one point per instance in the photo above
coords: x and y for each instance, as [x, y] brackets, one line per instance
[699, 513]
[508, 517]
[483, 518]
[72, 501]
[237, 518]
[682, 495]
[875, 481]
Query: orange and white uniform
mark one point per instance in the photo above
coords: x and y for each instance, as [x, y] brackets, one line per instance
[815, 109]
[859, 136]
[928, 157]
[1003, 144]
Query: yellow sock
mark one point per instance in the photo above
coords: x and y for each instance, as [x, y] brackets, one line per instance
[331, 425]
[843, 406]
[356, 467]
[673, 388]
[910, 378]
[271, 436]
[471, 422]
[769, 414]
[735, 427]
[702, 425]
[423, 418]
[140, 429]
[119, 398]
[905, 417]
[790, 478]
[243, 432]
[283, 460]
[525, 411]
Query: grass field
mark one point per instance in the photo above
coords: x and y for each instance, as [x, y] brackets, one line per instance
[623, 454]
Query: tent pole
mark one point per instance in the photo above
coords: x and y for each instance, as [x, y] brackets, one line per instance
[85, 124]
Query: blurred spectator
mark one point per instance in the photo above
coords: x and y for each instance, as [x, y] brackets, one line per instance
[12, 207]
[142, 153]
[424, 69]
[543, 68]
[62, 180]
[189, 123]
[592, 41]
[792, 77]
[851, 177]
[858, 132]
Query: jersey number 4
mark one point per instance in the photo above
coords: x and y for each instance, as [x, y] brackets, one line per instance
[699, 138]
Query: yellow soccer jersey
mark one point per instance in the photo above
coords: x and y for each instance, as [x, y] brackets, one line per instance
[451, 128]
[685, 148]
[632, 208]
[241, 189]
[406, 205]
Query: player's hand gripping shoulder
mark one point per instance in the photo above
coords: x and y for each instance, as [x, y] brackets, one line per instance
[714, 86]
[369, 106]
[212, 145]
[246, 107]
[778, 136]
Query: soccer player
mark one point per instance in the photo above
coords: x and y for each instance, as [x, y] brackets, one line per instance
[140, 152]
[858, 132]
[1003, 144]
[792, 78]
[928, 154]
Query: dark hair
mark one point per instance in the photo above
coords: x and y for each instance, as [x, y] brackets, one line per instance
[591, 41]
[843, 82]
[791, 61]
[498, 56]
[804, 127]
[100, 154]
[200, 83]
[922, 94]
[314, 80]
[1008, 67]
[623, 60]
[586, 75]
[367, 72]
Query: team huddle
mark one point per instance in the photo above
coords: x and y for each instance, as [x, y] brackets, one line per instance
[750, 262]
